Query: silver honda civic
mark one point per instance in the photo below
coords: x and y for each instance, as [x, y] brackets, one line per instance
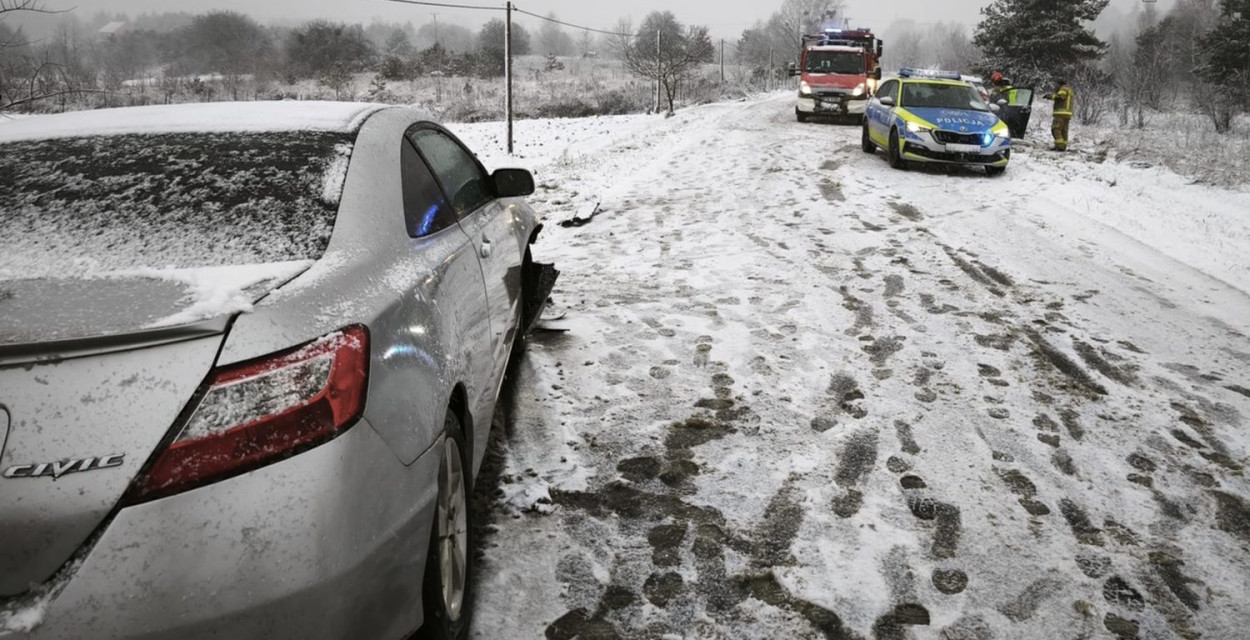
[249, 356]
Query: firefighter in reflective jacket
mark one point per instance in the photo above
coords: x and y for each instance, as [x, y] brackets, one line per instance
[1064, 98]
[1002, 89]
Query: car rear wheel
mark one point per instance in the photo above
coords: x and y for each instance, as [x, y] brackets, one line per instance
[896, 153]
[447, 594]
[867, 144]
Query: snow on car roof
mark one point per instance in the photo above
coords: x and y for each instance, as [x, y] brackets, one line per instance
[217, 117]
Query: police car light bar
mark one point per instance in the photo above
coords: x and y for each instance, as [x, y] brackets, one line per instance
[906, 72]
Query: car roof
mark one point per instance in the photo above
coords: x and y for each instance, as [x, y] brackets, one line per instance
[958, 83]
[216, 117]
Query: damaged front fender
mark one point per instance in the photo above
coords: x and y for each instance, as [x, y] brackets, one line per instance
[539, 279]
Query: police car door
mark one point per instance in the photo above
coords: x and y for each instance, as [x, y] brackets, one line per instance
[881, 115]
[1018, 112]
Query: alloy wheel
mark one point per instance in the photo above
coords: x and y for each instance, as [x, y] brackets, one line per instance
[453, 536]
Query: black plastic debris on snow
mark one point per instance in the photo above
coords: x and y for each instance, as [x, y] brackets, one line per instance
[579, 220]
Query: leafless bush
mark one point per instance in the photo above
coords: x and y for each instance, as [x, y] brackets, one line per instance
[1095, 95]
[1221, 105]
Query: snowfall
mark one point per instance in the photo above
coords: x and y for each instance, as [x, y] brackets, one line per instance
[785, 391]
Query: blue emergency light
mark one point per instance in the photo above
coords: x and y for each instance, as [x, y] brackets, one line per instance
[907, 72]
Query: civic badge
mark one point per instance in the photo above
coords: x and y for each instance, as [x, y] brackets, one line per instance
[60, 468]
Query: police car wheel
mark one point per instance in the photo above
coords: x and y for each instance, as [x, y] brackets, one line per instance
[868, 145]
[896, 153]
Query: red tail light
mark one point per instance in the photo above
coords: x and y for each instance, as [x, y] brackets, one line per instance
[259, 412]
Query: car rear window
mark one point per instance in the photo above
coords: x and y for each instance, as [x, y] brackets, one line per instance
[108, 203]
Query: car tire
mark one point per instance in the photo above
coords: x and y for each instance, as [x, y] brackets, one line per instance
[896, 153]
[800, 115]
[449, 562]
[867, 144]
[994, 171]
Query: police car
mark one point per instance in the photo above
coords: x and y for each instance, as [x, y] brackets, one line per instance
[935, 117]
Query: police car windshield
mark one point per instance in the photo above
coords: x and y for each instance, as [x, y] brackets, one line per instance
[844, 62]
[942, 96]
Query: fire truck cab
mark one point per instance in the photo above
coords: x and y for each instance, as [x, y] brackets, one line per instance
[838, 71]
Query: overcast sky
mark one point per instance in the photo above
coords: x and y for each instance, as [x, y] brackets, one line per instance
[726, 18]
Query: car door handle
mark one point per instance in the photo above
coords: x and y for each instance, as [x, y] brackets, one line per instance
[486, 250]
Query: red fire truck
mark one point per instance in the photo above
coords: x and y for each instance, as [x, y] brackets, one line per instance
[838, 71]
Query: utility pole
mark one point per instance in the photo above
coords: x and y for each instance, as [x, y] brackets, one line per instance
[659, 68]
[438, 82]
[722, 61]
[507, 67]
[768, 80]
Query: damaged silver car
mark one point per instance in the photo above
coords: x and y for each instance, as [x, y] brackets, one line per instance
[249, 356]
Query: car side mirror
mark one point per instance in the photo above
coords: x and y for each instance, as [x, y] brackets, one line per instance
[512, 183]
[792, 69]
[877, 73]
[1002, 102]
[887, 101]
[995, 108]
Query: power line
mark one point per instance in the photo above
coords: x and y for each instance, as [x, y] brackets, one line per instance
[448, 5]
[569, 24]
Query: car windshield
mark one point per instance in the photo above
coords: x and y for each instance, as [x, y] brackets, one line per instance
[942, 96]
[74, 206]
[844, 62]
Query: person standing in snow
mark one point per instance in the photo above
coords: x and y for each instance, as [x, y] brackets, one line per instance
[1064, 98]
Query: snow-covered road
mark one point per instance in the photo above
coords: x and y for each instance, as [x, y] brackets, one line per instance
[803, 395]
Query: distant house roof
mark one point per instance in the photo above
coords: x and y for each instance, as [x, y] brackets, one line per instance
[113, 28]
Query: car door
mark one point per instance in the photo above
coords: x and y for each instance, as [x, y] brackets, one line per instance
[489, 226]
[433, 225]
[881, 115]
[1018, 111]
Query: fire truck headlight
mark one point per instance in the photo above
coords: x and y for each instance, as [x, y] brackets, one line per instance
[805, 89]
[859, 91]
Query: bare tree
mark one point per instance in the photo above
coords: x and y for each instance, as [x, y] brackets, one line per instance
[25, 78]
[766, 47]
[226, 43]
[552, 40]
[665, 51]
[797, 17]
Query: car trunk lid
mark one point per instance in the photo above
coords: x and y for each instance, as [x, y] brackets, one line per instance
[79, 429]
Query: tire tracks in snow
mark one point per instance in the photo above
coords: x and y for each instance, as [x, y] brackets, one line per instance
[787, 375]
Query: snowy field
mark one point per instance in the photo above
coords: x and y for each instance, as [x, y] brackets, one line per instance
[583, 86]
[1179, 140]
[802, 395]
